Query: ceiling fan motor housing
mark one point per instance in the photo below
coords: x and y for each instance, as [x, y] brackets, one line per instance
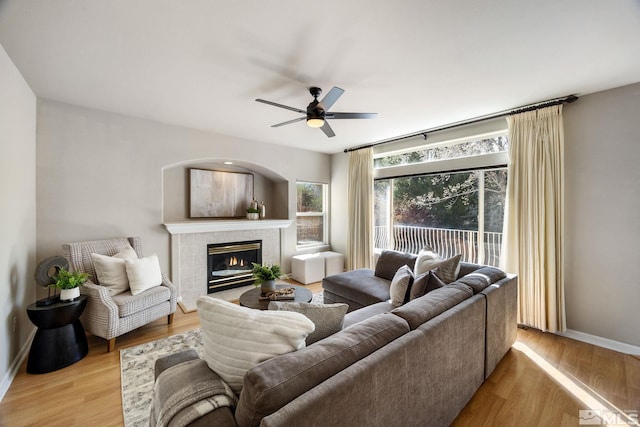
[314, 109]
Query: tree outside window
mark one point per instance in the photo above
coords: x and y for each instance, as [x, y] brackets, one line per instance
[311, 217]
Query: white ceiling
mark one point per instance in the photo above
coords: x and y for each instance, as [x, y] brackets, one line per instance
[418, 64]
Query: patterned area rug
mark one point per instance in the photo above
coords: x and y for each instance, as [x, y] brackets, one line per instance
[137, 371]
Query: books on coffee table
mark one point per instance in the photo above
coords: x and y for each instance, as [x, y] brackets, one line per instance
[282, 294]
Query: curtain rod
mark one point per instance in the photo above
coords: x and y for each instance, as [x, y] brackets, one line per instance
[531, 107]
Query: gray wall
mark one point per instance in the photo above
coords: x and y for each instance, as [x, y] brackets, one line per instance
[602, 214]
[100, 175]
[17, 216]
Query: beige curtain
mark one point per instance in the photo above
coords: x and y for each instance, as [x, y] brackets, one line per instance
[534, 216]
[360, 215]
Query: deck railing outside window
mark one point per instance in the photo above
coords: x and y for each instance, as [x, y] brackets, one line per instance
[445, 242]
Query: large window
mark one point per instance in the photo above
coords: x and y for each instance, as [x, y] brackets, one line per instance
[453, 212]
[311, 215]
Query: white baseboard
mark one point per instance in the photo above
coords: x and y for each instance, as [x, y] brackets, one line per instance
[15, 365]
[601, 342]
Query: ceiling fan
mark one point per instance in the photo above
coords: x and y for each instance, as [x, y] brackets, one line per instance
[318, 111]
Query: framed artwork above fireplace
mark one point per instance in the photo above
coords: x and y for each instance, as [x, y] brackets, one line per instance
[218, 194]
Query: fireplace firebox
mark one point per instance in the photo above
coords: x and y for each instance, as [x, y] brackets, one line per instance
[229, 264]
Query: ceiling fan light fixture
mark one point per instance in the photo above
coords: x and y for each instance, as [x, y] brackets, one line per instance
[315, 122]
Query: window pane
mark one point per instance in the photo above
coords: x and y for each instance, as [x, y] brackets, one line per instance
[463, 149]
[495, 192]
[311, 222]
[442, 211]
[309, 197]
[382, 212]
[310, 230]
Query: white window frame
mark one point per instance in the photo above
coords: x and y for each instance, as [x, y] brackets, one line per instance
[481, 161]
[324, 214]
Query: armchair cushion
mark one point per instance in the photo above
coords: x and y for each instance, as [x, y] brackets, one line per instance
[129, 304]
[143, 273]
[111, 271]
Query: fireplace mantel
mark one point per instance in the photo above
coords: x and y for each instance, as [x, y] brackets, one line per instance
[187, 227]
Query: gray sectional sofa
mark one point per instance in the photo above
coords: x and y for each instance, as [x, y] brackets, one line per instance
[415, 365]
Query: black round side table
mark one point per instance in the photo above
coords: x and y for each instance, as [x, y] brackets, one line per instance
[60, 340]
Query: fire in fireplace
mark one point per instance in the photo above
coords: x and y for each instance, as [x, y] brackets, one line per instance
[229, 264]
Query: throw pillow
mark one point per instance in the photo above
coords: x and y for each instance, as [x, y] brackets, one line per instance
[449, 269]
[400, 285]
[424, 284]
[328, 318]
[111, 272]
[427, 260]
[143, 273]
[390, 261]
[237, 338]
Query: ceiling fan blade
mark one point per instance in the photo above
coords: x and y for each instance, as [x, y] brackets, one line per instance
[289, 122]
[286, 107]
[327, 129]
[331, 97]
[350, 115]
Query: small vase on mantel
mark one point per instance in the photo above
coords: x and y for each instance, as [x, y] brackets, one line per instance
[268, 286]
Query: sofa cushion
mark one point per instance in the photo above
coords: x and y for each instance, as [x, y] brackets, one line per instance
[448, 269]
[425, 308]
[479, 279]
[130, 304]
[328, 318]
[390, 261]
[361, 286]
[274, 383]
[466, 268]
[367, 312]
[427, 260]
[400, 285]
[424, 284]
[237, 338]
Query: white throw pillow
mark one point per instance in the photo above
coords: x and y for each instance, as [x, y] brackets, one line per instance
[111, 272]
[400, 285]
[143, 273]
[427, 260]
[238, 338]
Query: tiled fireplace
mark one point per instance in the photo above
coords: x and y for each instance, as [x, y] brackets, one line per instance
[191, 240]
[229, 264]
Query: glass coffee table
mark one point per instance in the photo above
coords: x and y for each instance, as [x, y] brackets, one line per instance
[251, 298]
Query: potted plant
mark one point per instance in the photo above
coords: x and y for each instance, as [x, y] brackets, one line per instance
[253, 213]
[69, 283]
[265, 276]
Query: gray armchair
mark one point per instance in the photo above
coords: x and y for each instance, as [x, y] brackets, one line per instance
[109, 316]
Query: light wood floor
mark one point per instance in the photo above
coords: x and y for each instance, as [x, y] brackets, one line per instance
[543, 381]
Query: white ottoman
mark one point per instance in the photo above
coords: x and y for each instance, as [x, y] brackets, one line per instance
[307, 268]
[333, 263]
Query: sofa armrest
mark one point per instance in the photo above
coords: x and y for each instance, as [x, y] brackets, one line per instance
[502, 321]
[100, 316]
[189, 393]
[173, 301]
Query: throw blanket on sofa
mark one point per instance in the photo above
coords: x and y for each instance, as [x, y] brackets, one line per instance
[197, 392]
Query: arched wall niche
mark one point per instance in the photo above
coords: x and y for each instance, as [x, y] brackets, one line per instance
[269, 187]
